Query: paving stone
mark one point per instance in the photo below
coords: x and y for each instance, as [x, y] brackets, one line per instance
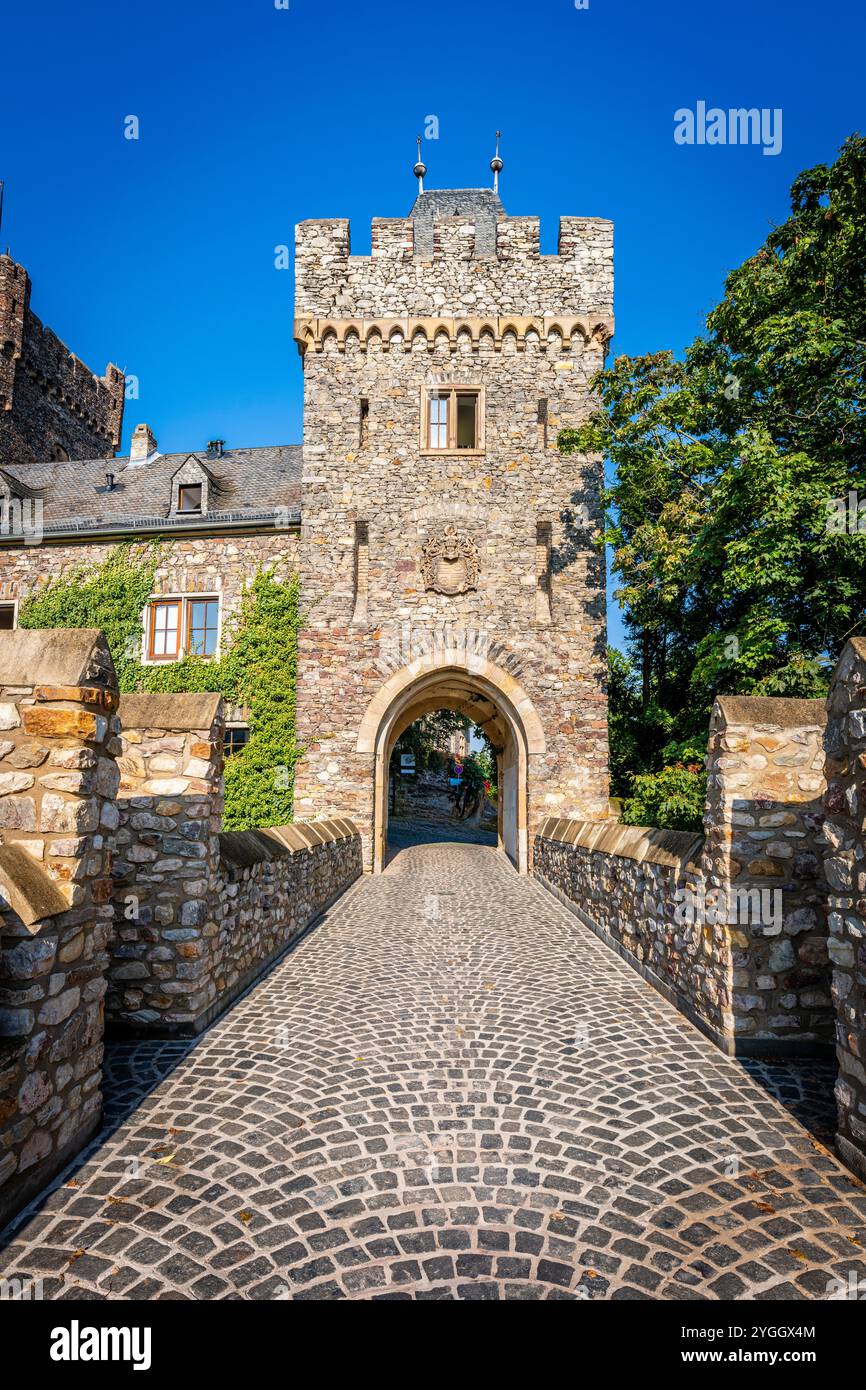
[405, 1108]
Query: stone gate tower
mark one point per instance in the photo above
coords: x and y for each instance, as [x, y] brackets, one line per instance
[448, 550]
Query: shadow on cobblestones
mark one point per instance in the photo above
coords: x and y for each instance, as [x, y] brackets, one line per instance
[407, 834]
[804, 1086]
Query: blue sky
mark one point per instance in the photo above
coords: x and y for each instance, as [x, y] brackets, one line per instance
[159, 253]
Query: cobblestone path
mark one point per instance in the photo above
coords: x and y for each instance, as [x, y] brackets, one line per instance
[449, 1089]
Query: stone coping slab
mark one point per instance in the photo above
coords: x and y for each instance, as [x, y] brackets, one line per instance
[680, 849]
[188, 710]
[49, 656]
[241, 848]
[764, 710]
[27, 888]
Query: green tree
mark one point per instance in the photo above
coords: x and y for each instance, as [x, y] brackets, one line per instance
[731, 578]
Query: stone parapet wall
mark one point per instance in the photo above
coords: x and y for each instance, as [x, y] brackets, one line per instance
[628, 884]
[273, 884]
[763, 860]
[199, 912]
[732, 927]
[845, 869]
[58, 780]
[166, 873]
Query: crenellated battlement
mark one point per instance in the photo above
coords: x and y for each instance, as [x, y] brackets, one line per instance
[96, 401]
[49, 398]
[454, 266]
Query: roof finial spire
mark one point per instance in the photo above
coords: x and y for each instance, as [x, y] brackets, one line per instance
[496, 163]
[420, 169]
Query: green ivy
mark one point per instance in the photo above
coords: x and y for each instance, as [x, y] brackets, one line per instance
[258, 668]
[111, 596]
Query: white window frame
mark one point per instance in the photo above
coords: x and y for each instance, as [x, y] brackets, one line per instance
[13, 604]
[184, 600]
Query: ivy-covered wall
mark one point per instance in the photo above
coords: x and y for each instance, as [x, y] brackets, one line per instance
[258, 667]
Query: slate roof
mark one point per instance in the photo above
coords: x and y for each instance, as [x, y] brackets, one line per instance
[482, 204]
[247, 486]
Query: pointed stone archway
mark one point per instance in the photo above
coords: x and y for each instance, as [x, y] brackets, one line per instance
[493, 700]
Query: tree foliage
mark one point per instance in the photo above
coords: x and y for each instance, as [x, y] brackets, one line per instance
[726, 465]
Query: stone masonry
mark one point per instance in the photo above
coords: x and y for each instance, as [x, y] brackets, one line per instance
[199, 912]
[167, 866]
[732, 926]
[463, 301]
[58, 781]
[479, 1102]
[221, 565]
[623, 882]
[845, 868]
[51, 405]
[458, 296]
[763, 855]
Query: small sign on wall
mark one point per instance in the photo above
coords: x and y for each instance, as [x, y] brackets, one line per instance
[407, 764]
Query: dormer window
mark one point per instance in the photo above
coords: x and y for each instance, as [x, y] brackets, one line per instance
[189, 498]
[192, 489]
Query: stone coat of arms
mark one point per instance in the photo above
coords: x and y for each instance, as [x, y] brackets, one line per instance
[449, 562]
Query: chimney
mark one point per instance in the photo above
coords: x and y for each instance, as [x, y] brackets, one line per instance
[215, 448]
[143, 444]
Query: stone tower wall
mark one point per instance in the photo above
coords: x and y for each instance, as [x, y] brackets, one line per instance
[845, 867]
[530, 332]
[331, 283]
[49, 398]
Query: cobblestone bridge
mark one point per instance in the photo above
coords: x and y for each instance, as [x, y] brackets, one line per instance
[449, 1089]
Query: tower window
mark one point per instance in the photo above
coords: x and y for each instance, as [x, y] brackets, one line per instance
[543, 586]
[362, 571]
[467, 412]
[364, 428]
[452, 420]
[437, 435]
